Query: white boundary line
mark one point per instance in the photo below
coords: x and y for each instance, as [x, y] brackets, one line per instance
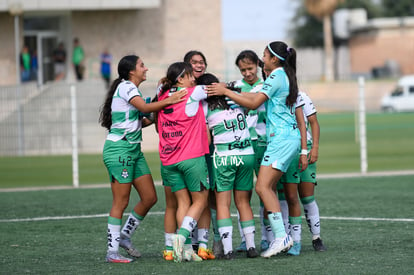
[162, 213]
[320, 176]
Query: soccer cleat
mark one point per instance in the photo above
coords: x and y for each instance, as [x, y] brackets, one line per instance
[228, 256]
[242, 247]
[129, 248]
[168, 255]
[115, 257]
[295, 249]
[205, 254]
[278, 245]
[318, 245]
[189, 254]
[218, 248]
[178, 246]
[264, 245]
[252, 253]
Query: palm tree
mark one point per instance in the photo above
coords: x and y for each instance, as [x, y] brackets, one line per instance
[323, 9]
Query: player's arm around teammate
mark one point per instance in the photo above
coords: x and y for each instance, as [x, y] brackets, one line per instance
[284, 139]
[122, 155]
[183, 144]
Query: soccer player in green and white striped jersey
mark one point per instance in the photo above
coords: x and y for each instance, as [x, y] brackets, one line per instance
[122, 115]
[233, 162]
[248, 63]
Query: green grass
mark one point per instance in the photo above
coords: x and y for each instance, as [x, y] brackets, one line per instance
[78, 245]
[390, 147]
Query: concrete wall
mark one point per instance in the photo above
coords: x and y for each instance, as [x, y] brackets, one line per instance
[373, 48]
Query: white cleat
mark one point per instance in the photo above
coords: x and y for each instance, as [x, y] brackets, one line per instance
[278, 245]
[129, 248]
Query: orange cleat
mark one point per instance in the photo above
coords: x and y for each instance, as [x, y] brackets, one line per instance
[206, 254]
[168, 255]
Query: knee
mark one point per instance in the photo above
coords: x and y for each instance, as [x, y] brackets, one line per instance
[120, 205]
[292, 199]
[259, 190]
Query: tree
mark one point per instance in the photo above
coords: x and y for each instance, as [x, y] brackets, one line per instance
[392, 8]
[323, 10]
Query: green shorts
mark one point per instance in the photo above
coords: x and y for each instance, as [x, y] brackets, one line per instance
[190, 174]
[293, 174]
[124, 161]
[233, 173]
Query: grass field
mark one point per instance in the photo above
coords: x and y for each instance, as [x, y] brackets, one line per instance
[390, 147]
[367, 225]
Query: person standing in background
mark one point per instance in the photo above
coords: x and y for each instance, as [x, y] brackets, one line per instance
[106, 59]
[34, 65]
[77, 59]
[59, 59]
[25, 64]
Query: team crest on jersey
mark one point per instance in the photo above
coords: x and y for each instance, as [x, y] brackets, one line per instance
[124, 174]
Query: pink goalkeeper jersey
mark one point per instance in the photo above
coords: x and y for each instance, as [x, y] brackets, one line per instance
[182, 137]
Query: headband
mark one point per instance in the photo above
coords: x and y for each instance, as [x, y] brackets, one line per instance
[180, 75]
[275, 54]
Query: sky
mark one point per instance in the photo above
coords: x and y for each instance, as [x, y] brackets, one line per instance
[256, 19]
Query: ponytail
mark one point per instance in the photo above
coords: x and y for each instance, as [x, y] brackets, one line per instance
[105, 117]
[287, 59]
[125, 65]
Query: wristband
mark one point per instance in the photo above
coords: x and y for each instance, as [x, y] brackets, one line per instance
[304, 152]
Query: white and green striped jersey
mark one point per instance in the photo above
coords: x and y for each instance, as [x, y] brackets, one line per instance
[230, 132]
[308, 110]
[256, 119]
[126, 122]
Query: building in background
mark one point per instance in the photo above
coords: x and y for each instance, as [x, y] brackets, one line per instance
[159, 31]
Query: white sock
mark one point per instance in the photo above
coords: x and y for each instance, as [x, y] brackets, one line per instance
[114, 232]
[188, 224]
[262, 226]
[248, 231]
[312, 218]
[226, 234]
[269, 234]
[168, 240]
[284, 208]
[131, 224]
[225, 227]
[203, 235]
[295, 232]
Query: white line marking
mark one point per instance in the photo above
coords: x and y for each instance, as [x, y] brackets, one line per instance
[162, 213]
[320, 176]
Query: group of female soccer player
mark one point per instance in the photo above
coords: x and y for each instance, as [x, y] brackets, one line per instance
[212, 136]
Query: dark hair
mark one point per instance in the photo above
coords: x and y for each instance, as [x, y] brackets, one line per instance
[125, 65]
[282, 51]
[252, 57]
[190, 54]
[175, 70]
[214, 102]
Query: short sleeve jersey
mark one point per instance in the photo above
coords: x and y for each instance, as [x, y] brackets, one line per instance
[126, 122]
[252, 116]
[230, 131]
[308, 110]
[281, 120]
